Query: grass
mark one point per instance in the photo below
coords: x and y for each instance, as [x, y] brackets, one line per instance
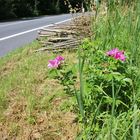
[33, 105]
[111, 107]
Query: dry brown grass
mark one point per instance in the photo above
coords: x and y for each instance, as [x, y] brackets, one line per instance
[49, 125]
[33, 100]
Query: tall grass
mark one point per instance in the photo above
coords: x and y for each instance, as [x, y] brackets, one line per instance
[110, 107]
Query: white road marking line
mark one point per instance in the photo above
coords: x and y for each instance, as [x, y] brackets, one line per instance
[18, 34]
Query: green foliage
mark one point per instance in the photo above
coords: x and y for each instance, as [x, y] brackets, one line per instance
[66, 76]
[67, 79]
[112, 87]
[99, 76]
[6, 10]
[109, 94]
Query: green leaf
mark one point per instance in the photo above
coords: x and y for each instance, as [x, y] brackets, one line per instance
[128, 80]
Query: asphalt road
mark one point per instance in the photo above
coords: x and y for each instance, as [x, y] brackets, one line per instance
[15, 34]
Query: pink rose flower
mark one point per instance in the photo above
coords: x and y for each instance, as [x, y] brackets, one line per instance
[112, 52]
[120, 55]
[53, 63]
[117, 54]
[60, 58]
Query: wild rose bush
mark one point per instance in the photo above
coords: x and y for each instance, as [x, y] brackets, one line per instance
[103, 76]
[107, 86]
[55, 66]
[106, 72]
[63, 73]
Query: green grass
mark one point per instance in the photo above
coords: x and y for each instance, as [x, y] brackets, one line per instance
[111, 108]
[32, 103]
[107, 91]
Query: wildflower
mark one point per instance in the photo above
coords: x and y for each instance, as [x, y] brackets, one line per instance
[120, 55]
[117, 54]
[112, 52]
[60, 58]
[53, 63]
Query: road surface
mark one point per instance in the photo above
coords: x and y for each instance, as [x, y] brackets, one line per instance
[15, 34]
